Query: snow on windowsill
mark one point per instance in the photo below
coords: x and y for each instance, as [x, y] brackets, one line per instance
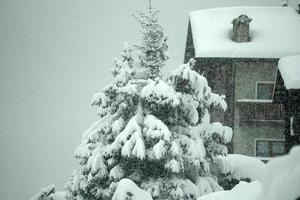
[266, 120]
[254, 100]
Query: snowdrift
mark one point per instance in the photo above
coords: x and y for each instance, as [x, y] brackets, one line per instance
[242, 166]
[279, 180]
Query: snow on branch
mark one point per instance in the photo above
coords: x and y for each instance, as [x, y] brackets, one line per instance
[155, 128]
[160, 92]
[116, 173]
[224, 133]
[218, 100]
[130, 140]
[159, 150]
[189, 81]
[127, 189]
[173, 165]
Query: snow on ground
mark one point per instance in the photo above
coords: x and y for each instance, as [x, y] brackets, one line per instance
[127, 189]
[289, 68]
[279, 180]
[242, 191]
[243, 166]
[274, 32]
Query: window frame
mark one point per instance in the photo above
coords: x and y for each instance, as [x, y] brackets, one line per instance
[267, 140]
[264, 82]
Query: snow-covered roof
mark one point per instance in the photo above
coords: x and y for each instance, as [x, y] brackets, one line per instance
[289, 68]
[274, 32]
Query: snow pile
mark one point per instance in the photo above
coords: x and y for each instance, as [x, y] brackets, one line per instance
[242, 166]
[274, 32]
[277, 180]
[289, 68]
[127, 189]
[281, 178]
[243, 191]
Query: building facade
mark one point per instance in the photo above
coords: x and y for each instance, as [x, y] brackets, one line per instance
[287, 93]
[243, 66]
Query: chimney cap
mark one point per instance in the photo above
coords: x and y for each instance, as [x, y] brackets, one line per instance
[242, 19]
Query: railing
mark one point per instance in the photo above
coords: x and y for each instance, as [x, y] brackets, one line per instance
[260, 111]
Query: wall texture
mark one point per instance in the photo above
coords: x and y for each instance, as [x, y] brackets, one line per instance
[247, 73]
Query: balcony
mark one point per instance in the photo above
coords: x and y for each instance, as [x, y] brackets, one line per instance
[260, 111]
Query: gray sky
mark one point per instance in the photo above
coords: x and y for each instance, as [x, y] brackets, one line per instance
[54, 55]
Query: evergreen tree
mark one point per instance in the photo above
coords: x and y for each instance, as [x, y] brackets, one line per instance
[151, 129]
[45, 193]
[152, 51]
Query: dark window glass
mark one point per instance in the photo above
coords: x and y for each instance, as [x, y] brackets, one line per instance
[262, 149]
[265, 90]
[296, 124]
[277, 148]
[269, 148]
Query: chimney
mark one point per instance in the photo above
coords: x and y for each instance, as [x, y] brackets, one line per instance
[285, 3]
[241, 29]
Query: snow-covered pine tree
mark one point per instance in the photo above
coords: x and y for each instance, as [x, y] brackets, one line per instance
[45, 193]
[151, 129]
[152, 51]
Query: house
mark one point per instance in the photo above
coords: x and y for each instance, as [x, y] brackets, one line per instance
[238, 49]
[287, 92]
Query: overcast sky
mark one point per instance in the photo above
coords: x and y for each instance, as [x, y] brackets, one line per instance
[54, 55]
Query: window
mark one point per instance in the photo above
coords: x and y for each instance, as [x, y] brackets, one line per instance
[264, 90]
[269, 148]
